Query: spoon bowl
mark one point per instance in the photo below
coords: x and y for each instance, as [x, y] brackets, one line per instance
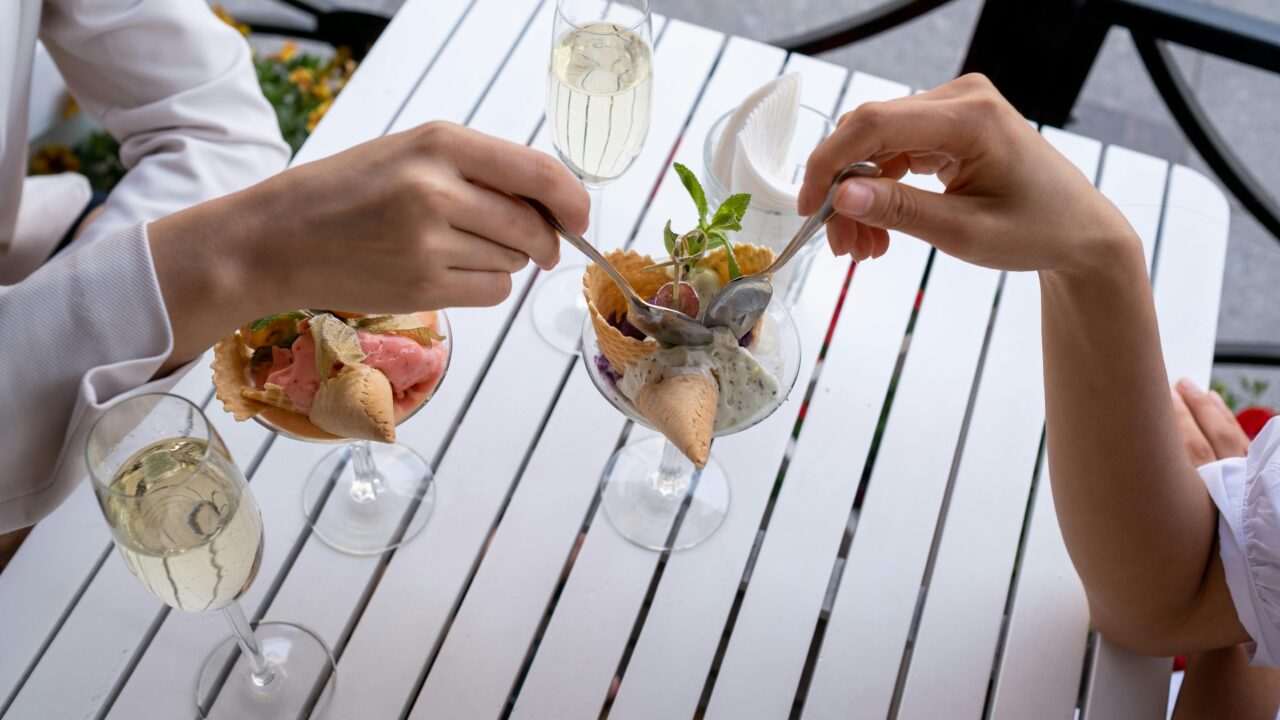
[740, 303]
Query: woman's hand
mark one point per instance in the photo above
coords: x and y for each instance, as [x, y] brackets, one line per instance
[1208, 427]
[1012, 202]
[418, 220]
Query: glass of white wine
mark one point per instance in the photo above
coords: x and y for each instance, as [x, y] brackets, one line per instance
[599, 88]
[187, 526]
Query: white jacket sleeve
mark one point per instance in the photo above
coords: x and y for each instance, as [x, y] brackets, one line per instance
[1247, 493]
[83, 330]
[177, 87]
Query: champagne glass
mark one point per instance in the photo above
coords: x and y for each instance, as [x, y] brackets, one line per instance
[357, 497]
[187, 526]
[648, 483]
[599, 88]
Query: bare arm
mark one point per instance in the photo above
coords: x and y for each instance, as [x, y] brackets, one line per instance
[1136, 517]
[1137, 520]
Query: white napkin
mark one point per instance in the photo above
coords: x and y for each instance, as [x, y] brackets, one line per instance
[752, 152]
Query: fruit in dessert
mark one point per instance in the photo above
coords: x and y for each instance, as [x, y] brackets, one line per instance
[326, 375]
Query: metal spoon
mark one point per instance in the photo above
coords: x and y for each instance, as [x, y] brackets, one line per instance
[739, 304]
[662, 324]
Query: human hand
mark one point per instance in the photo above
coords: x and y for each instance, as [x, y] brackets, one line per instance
[1208, 427]
[422, 219]
[419, 220]
[1012, 202]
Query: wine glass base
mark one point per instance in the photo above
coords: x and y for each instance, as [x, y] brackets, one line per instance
[645, 514]
[559, 309]
[303, 669]
[359, 526]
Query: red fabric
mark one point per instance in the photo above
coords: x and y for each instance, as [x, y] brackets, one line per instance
[1252, 419]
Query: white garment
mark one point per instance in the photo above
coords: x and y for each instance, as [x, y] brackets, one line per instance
[177, 87]
[1247, 493]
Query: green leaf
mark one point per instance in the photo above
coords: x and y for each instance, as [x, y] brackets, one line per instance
[694, 187]
[729, 214]
[669, 238]
[719, 237]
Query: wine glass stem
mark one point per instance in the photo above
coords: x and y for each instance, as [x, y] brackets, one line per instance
[259, 672]
[673, 473]
[595, 230]
[367, 483]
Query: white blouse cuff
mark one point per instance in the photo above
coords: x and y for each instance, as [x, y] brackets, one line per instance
[1247, 493]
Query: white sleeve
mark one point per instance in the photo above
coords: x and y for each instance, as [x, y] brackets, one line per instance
[1247, 493]
[82, 331]
[177, 87]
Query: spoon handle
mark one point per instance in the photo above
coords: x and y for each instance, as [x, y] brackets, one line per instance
[824, 213]
[587, 249]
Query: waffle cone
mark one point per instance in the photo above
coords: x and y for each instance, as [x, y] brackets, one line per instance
[683, 407]
[230, 378]
[356, 403]
[272, 395]
[605, 300]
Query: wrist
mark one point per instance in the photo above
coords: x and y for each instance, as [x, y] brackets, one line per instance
[206, 263]
[1116, 255]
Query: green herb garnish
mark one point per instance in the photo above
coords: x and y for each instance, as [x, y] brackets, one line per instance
[688, 248]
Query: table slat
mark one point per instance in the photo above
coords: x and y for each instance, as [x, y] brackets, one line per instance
[473, 56]
[1190, 260]
[682, 629]
[951, 661]
[872, 614]
[373, 96]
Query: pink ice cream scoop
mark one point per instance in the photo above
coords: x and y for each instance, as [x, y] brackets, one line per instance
[412, 370]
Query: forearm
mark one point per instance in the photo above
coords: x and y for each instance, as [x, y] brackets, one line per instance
[1136, 517]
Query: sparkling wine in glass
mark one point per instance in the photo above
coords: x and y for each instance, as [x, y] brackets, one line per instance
[188, 528]
[599, 90]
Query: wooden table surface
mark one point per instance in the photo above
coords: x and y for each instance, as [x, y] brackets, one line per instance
[920, 574]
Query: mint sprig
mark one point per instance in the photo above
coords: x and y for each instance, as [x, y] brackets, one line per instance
[687, 249]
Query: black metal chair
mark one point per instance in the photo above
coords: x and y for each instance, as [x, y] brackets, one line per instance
[353, 29]
[1040, 53]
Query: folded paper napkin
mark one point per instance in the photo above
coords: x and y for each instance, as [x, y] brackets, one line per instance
[751, 155]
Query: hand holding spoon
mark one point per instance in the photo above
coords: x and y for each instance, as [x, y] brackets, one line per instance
[740, 303]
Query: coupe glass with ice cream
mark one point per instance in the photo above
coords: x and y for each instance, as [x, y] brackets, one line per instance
[336, 377]
[688, 394]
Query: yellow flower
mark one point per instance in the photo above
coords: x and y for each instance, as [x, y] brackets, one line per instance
[71, 108]
[287, 51]
[303, 78]
[54, 159]
[314, 117]
[321, 91]
[225, 17]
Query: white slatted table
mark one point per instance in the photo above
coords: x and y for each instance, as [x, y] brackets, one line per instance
[918, 573]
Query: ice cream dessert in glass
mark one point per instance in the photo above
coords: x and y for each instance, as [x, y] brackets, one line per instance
[336, 377]
[688, 394]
